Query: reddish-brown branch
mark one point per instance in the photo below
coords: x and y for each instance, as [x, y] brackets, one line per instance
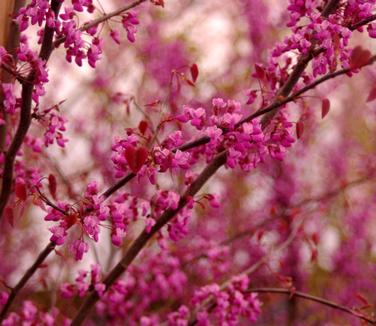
[102, 19]
[144, 237]
[111, 190]
[306, 296]
[142, 240]
[25, 116]
[28, 274]
[323, 197]
[363, 22]
[10, 42]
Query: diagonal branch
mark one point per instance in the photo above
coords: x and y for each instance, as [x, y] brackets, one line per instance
[205, 140]
[313, 298]
[144, 237]
[122, 182]
[28, 274]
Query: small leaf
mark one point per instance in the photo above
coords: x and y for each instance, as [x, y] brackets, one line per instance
[142, 126]
[20, 191]
[52, 185]
[135, 157]
[359, 57]
[299, 129]
[260, 72]
[158, 2]
[371, 95]
[9, 217]
[189, 82]
[362, 299]
[314, 255]
[194, 72]
[70, 220]
[59, 253]
[153, 104]
[325, 107]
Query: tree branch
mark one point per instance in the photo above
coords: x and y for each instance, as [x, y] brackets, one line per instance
[10, 41]
[208, 304]
[144, 237]
[306, 296]
[111, 190]
[25, 116]
[102, 19]
[28, 274]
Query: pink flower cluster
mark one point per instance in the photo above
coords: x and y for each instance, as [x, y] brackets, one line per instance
[229, 304]
[30, 315]
[246, 143]
[35, 66]
[157, 279]
[83, 282]
[89, 218]
[56, 125]
[10, 100]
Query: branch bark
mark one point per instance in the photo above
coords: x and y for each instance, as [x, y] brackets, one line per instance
[9, 38]
[28, 274]
[144, 237]
[306, 296]
[25, 116]
[187, 146]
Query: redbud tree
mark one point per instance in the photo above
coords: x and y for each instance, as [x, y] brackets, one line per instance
[187, 162]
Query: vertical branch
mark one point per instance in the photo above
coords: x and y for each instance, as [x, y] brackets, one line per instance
[25, 116]
[9, 38]
[6, 9]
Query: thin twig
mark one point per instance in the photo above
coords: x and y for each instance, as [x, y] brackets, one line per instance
[102, 19]
[363, 22]
[306, 296]
[28, 274]
[209, 304]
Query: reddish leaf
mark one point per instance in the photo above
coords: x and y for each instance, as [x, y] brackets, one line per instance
[325, 107]
[52, 185]
[315, 238]
[299, 129]
[158, 2]
[371, 95]
[59, 253]
[71, 220]
[142, 126]
[359, 57]
[260, 234]
[8, 215]
[135, 157]
[189, 82]
[153, 104]
[362, 299]
[314, 255]
[259, 73]
[20, 191]
[194, 72]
